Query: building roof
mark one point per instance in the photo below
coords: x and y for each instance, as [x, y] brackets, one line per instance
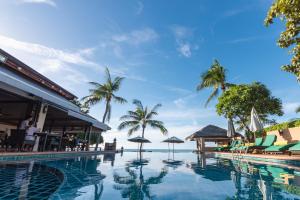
[22, 69]
[211, 131]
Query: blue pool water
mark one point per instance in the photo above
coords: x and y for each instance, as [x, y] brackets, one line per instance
[113, 177]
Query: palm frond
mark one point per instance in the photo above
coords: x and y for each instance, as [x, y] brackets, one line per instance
[127, 124]
[212, 95]
[117, 83]
[133, 129]
[138, 103]
[119, 99]
[158, 125]
[107, 75]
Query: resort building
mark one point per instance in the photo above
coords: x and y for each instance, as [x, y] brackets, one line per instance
[25, 92]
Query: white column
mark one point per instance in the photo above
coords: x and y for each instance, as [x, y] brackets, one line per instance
[40, 124]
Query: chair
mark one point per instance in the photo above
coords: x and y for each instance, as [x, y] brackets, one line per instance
[236, 146]
[279, 147]
[246, 146]
[269, 141]
[295, 148]
[15, 140]
[228, 147]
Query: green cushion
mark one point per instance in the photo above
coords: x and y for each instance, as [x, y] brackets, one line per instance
[258, 141]
[278, 148]
[296, 147]
[269, 140]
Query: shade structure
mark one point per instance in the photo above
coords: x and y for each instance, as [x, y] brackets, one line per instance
[139, 139]
[230, 130]
[173, 140]
[255, 124]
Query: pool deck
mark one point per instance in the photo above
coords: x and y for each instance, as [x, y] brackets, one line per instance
[266, 156]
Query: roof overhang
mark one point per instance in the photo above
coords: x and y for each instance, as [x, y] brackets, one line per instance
[21, 86]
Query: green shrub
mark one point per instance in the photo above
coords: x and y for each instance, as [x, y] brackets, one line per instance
[283, 125]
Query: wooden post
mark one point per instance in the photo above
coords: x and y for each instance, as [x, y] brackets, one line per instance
[89, 139]
[202, 145]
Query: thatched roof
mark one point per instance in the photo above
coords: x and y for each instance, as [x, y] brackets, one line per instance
[211, 131]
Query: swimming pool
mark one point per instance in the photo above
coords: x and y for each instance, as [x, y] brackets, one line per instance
[116, 176]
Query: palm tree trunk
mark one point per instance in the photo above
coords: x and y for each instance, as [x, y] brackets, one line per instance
[103, 121]
[141, 146]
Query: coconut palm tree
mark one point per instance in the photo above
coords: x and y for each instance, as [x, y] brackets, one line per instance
[140, 118]
[214, 77]
[105, 92]
[134, 186]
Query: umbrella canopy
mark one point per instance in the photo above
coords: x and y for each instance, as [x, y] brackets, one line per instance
[255, 124]
[173, 140]
[230, 130]
[139, 139]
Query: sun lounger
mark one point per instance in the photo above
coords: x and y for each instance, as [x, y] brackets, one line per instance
[295, 148]
[246, 146]
[236, 145]
[227, 147]
[269, 141]
[279, 147]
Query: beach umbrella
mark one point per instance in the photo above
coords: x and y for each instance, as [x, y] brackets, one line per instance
[173, 140]
[255, 124]
[139, 140]
[230, 130]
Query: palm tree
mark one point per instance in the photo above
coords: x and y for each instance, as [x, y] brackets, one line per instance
[135, 186]
[140, 118]
[214, 77]
[105, 92]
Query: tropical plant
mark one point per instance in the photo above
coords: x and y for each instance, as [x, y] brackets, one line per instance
[135, 186]
[214, 77]
[289, 12]
[105, 92]
[140, 118]
[85, 108]
[238, 100]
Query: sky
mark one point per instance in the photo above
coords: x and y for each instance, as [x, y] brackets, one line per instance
[161, 48]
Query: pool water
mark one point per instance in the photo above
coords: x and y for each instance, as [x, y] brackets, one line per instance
[116, 176]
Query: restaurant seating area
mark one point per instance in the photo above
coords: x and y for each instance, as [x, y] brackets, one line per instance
[29, 100]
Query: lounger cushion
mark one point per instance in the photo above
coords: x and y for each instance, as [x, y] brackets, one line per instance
[296, 147]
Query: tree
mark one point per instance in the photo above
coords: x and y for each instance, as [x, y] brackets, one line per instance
[238, 100]
[140, 118]
[85, 108]
[105, 92]
[214, 77]
[134, 186]
[289, 12]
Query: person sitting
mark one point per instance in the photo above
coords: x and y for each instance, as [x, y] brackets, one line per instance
[30, 138]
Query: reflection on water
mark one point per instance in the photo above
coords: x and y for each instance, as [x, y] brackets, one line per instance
[134, 185]
[125, 177]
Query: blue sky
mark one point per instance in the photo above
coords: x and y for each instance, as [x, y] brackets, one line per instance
[161, 47]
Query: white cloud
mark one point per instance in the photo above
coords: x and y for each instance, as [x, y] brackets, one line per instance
[136, 37]
[290, 107]
[183, 37]
[78, 57]
[185, 50]
[47, 2]
[59, 65]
